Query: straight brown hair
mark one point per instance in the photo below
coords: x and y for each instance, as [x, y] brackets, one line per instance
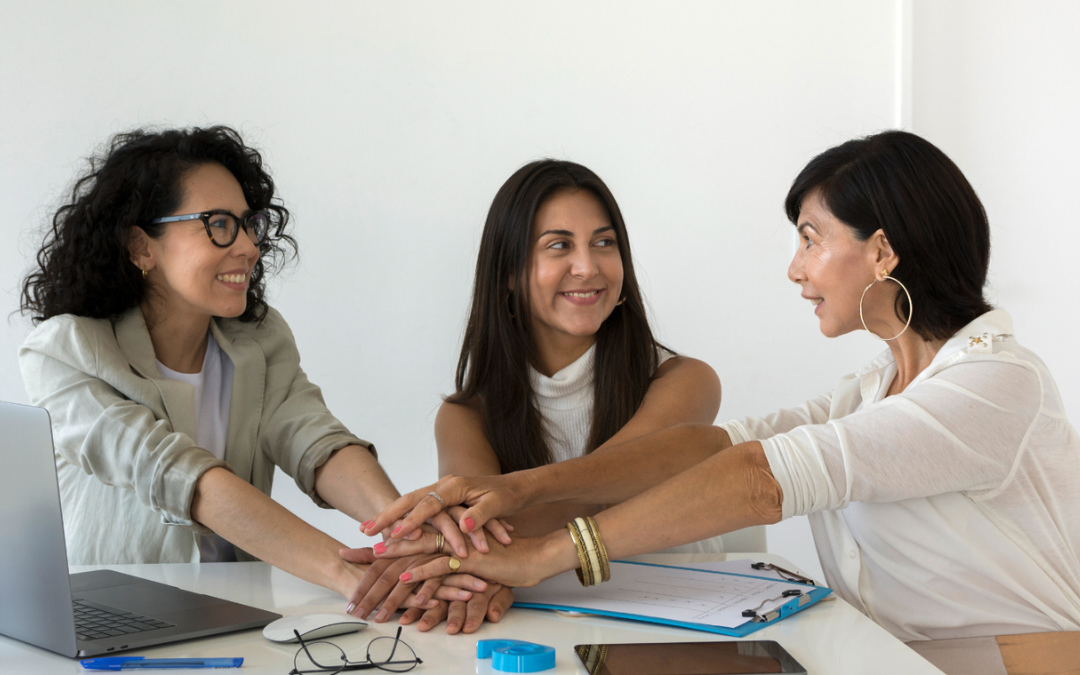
[493, 369]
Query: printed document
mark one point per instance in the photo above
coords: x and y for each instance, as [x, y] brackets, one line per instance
[666, 593]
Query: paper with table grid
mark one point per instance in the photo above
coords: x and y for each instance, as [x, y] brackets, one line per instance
[668, 594]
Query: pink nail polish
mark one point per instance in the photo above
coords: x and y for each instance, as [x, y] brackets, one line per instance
[397, 529]
[407, 576]
[379, 548]
[367, 524]
[470, 524]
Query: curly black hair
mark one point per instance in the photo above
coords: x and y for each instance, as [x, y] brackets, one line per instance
[84, 266]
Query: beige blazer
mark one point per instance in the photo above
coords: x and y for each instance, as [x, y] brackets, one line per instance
[126, 454]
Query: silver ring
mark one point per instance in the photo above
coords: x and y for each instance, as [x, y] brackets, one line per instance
[436, 496]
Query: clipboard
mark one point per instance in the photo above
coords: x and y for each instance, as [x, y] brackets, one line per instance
[795, 596]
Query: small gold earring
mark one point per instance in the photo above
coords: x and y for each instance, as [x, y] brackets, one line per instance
[144, 273]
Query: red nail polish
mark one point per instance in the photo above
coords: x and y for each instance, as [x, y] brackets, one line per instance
[367, 524]
[406, 576]
[470, 524]
[380, 548]
[397, 529]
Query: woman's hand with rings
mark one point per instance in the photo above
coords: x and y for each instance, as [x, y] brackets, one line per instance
[487, 497]
[381, 586]
[428, 541]
[526, 563]
[441, 521]
[444, 523]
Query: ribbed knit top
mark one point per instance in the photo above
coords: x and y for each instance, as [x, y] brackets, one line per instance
[565, 401]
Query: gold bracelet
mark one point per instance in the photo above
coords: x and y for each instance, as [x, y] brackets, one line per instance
[590, 549]
[584, 572]
[605, 565]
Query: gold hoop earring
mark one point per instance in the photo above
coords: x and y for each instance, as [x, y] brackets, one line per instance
[144, 274]
[621, 301]
[911, 306]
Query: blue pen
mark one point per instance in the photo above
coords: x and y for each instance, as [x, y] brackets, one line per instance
[130, 662]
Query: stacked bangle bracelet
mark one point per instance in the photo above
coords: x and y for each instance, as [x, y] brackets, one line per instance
[592, 554]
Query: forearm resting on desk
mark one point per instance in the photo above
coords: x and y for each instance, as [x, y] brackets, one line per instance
[254, 522]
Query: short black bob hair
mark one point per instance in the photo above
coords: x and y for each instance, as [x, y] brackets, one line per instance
[902, 184]
[84, 267]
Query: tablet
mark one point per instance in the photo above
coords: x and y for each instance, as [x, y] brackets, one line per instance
[689, 658]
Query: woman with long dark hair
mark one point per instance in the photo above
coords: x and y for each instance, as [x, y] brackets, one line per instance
[940, 479]
[174, 389]
[558, 359]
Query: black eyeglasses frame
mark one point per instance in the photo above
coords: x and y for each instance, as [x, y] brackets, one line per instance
[205, 216]
[347, 665]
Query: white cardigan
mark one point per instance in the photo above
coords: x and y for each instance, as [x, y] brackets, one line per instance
[951, 509]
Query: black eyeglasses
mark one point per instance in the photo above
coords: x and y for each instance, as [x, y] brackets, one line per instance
[385, 653]
[222, 227]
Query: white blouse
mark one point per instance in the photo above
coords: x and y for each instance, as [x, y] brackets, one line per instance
[949, 510]
[565, 401]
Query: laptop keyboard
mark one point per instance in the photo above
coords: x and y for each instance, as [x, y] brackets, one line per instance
[95, 622]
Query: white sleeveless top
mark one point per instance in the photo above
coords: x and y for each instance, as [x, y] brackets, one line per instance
[565, 401]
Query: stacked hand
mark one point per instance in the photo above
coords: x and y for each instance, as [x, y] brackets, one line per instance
[411, 554]
[487, 498]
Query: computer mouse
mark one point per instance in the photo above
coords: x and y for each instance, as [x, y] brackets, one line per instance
[312, 626]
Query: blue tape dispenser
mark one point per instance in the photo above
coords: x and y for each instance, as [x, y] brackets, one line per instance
[516, 656]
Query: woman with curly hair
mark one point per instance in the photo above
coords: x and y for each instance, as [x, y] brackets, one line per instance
[174, 389]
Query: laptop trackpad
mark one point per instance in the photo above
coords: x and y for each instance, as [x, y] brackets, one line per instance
[133, 594]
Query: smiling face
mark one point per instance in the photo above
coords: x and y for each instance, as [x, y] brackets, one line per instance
[190, 278]
[833, 268]
[575, 273]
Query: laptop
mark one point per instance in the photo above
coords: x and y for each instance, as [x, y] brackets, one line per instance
[40, 601]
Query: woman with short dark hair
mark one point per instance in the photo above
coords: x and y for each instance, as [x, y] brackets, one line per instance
[940, 479]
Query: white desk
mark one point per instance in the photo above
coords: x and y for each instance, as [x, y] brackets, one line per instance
[830, 638]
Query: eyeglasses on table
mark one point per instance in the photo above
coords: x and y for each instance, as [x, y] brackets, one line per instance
[384, 653]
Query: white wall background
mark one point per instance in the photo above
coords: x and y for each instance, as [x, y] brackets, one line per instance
[389, 127]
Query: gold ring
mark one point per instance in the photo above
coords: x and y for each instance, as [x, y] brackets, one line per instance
[439, 541]
[454, 564]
